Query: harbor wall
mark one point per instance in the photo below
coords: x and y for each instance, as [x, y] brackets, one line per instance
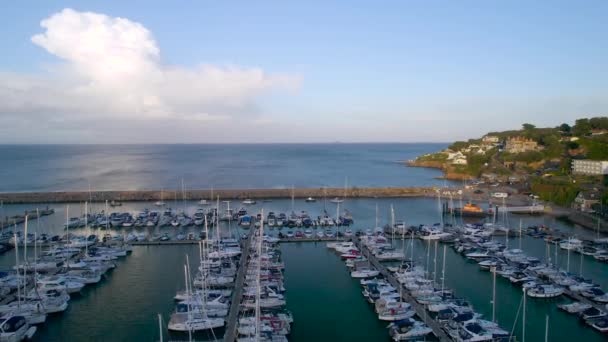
[224, 194]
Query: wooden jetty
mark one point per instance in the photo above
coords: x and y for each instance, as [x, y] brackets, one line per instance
[438, 331]
[233, 315]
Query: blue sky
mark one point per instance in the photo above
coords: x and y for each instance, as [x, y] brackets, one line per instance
[348, 71]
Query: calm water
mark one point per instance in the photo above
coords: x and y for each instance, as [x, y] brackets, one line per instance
[136, 167]
[326, 302]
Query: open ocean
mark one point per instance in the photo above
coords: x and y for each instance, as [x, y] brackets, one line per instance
[141, 167]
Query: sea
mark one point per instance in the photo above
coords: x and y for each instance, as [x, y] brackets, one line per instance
[326, 302]
[222, 166]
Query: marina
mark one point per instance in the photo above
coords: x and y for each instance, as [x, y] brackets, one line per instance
[364, 215]
[303, 172]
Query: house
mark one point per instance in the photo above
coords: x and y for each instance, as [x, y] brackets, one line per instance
[598, 131]
[460, 161]
[589, 167]
[490, 139]
[521, 144]
[585, 200]
[455, 155]
[489, 177]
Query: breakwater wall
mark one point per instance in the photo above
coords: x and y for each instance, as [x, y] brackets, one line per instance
[224, 194]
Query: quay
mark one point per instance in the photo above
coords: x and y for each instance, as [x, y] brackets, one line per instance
[211, 195]
[420, 310]
[15, 220]
[233, 314]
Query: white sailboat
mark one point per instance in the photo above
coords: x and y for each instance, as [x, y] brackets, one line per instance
[160, 203]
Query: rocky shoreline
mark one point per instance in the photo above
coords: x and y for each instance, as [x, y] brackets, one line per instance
[448, 173]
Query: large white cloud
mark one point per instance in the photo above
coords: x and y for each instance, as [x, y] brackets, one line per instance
[112, 67]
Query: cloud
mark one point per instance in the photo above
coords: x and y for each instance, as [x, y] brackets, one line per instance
[112, 68]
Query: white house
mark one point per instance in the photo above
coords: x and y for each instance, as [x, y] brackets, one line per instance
[460, 161]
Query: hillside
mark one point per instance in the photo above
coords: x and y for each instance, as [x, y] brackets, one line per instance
[540, 159]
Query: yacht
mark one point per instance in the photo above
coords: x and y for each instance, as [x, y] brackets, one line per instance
[408, 329]
[545, 291]
[599, 324]
[249, 201]
[185, 319]
[336, 200]
[575, 307]
[571, 244]
[59, 283]
[310, 200]
[364, 273]
[15, 328]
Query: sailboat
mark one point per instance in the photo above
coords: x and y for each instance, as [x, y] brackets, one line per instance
[188, 317]
[160, 203]
[338, 199]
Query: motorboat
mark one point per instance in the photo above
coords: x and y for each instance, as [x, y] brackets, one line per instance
[545, 291]
[365, 273]
[14, 328]
[408, 329]
[575, 307]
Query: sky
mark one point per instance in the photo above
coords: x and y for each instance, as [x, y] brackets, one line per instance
[285, 71]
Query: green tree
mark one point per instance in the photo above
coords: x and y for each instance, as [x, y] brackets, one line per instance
[458, 145]
[565, 128]
[573, 145]
[599, 122]
[581, 127]
[528, 127]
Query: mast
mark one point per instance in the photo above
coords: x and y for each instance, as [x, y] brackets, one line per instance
[217, 221]
[393, 224]
[568, 260]
[25, 245]
[258, 290]
[428, 257]
[160, 326]
[206, 229]
[547, 328]
[443, 271]
[67, 221]
[184, 194]
[292, 198]
[412, 243]
[338, 216]
[435, 263]
[106, 214]
[36, 240]
[188, 299]
[376, 226]
[493, 294]
[519, 233]
[439, 206]
[581, 266]
[86, 226]
[17, 265]
[523, 325]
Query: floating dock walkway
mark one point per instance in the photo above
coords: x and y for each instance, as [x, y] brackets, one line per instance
[235, 304]
[420, 310]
